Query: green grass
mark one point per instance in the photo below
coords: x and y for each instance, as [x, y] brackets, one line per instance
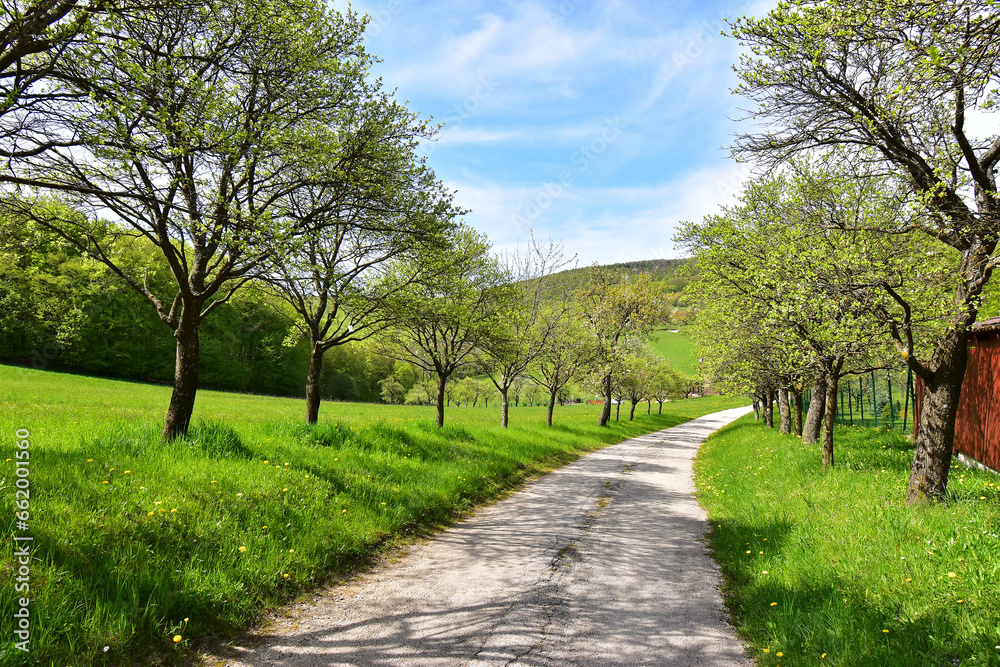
[836, 564]
[133, 535]
[678, 348]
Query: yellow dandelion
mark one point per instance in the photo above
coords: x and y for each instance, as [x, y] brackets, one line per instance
[885, 631]
[242, 549]
[174, 509]
[761, 553]
[767, 650]
[764, 572]
[264, 527]
[291, 551]
[177, 639]
[266, 462]
[961, 601]
[748, 551]
[344, 512]
[952, 575]
[128, 472]
[239, 495]
[104, 482]
[286, 575]
[288, 464]
[142, 488]
[149, 514]
[88, 460]
[112, 470]
[779, 654]
[823, 656]
[774, 604]
[284, 489]
[186, 620]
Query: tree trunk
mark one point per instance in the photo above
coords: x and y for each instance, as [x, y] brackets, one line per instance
[631, 413]
[756, 408]
[832, 384]
[442, 380]
[504, 408]
[769, 409]
[552, 407]
[660, 411]
[313, 384]
[797, 412]
[618, 410]
[185, 376]
[606, 411]
[784, 414]
[817, 408]
[936, 427]
[649, 407]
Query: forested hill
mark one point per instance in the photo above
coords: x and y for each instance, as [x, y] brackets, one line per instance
[667, 272]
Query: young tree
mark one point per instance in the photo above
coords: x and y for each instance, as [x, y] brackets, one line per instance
[614, 306]
[563, 358]
[443, 319]
[893, 82]
[526, 327]
[190, 123]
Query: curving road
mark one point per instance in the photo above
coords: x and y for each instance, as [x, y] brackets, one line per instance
[598, 563]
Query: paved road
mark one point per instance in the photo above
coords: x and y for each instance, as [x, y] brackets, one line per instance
[599, 563]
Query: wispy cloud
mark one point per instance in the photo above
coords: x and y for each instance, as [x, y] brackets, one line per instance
[527, 90]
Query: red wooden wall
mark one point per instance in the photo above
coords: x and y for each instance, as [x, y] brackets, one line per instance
[977, 428]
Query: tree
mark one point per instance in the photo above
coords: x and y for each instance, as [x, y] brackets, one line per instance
[392, 391]
[665, 382]
[893, 83]
[34, 36]
[364, 206]
[614, 306]
[787, 278]
[563, 357]
[191, 121]
[526, 327]
[442, 320]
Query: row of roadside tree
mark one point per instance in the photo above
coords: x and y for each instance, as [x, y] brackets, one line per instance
[869, 236]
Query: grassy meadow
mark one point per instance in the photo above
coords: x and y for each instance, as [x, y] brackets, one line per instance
[678, 348]
[835, 569]
[138, 541]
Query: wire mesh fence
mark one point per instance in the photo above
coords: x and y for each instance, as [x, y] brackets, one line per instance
[878, 399]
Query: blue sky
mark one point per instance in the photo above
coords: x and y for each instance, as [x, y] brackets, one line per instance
[598, 123]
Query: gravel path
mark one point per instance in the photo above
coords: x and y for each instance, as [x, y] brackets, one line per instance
[598, 563]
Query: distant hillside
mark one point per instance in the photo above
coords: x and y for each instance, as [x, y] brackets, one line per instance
[665, 272]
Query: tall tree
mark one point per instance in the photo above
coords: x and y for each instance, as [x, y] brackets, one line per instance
[370, 203]
[191, 125]
[894, 82]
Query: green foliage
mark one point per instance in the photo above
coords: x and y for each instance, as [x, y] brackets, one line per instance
[844, 558]
[122, 564]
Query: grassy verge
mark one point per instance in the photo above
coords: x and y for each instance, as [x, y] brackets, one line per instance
[835, 568]
[137, 540]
